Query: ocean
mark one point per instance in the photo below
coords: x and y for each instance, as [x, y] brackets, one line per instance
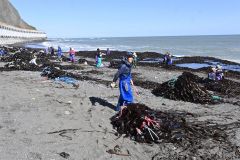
[220, 46]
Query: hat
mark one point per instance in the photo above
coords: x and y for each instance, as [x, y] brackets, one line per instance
[219, 66]
[213, 69]
[129, 54]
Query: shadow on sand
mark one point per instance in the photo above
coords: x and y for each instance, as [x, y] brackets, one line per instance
[102, 102]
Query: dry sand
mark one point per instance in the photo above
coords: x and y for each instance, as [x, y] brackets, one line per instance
[32, 108]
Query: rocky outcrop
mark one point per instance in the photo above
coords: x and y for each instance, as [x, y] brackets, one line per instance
[10, 16]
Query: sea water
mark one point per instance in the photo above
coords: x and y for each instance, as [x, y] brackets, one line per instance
[220, 46]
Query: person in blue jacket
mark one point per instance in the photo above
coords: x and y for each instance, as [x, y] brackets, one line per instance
[2, 52]
[167, 59]
[125, 82]
[59, 51]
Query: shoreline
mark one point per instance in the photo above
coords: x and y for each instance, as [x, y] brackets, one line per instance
[23, 45]
[153, 59]
[223, 47]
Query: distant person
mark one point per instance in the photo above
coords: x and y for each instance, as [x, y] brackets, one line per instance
[125, 82]
[167, 59]
[134, 59]
[219, 73]
[212, 74]
[46, 50]
[49, 50]
[2, 52]
[59, 51]
[108, 52]
[72, 55]
[34, 61]
[99, 58]
[52, 51]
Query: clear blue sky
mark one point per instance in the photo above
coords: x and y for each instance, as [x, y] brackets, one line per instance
[119, 18]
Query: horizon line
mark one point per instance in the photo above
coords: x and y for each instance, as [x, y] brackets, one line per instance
[147, 36]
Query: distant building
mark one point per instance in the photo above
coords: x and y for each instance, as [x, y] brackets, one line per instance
[13, 29]
[10, 34]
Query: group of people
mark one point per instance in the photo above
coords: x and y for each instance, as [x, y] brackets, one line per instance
[100, 54]
[216, 73]
[123, 73]
[49, 50]
[71, 52]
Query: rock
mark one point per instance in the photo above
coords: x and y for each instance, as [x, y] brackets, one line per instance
[67, 112]
[64, 155]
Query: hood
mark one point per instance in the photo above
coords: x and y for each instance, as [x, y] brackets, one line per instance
[125, 61]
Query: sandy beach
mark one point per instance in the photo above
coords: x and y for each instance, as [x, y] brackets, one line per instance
[120, 80]
[49, 120]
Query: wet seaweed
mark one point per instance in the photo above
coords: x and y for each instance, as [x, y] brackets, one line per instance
[191, 88]
[52, 72]
[187, 88]
[97, 72]
[192, 138]
[225, 88]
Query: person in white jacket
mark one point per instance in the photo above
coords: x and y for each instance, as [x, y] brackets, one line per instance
[34, 61]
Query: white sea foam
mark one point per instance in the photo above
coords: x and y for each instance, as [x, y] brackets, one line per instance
[233, 60]
[225, 47]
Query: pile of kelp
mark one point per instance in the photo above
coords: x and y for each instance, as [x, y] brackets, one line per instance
[20, 61]
[225, 88]
[186, 87]
[191, 88]
[146, 125]
[53, 72]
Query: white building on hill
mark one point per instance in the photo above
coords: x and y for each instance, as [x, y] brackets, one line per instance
[11, 35]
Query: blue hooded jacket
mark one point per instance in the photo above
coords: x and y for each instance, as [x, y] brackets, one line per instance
[124, 75]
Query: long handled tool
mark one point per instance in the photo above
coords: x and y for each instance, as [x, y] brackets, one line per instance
[135, 90]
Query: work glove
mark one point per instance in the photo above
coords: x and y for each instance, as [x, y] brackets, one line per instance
[113, 85]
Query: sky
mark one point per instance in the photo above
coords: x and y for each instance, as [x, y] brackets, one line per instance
[129, 18]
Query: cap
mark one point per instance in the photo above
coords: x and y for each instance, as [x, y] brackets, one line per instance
[129, 54]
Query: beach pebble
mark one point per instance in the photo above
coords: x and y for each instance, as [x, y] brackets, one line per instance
[67, 112]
